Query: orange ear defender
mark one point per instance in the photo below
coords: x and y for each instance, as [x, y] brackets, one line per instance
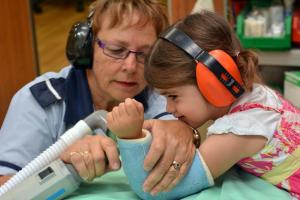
[218, 77]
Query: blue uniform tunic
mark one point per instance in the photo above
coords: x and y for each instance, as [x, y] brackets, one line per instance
[45, 108]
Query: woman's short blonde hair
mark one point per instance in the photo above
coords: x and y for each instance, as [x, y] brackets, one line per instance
[151, 11]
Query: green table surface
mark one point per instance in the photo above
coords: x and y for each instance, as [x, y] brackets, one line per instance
[234, 185]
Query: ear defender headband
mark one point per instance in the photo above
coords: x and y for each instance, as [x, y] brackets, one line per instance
[79, 48]
[218, 77]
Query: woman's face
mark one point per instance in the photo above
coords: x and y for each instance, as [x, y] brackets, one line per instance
[187, 104]
[114, 79]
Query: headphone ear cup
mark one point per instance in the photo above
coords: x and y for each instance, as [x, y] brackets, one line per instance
[211, 88]
[79, 48]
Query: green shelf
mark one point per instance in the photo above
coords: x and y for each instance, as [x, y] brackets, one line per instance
[264, 43]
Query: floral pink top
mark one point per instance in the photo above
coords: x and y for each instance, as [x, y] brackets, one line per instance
[279, 161]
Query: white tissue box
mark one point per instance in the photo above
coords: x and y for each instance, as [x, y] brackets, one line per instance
[292, 87]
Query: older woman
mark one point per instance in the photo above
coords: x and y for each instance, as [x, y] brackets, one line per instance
[107, 68]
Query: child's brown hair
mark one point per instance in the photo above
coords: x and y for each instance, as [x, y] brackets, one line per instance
[168, 66]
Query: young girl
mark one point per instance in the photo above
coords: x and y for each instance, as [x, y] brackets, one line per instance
[205, 74]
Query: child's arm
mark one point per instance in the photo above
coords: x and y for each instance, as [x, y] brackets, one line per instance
[221, 152]
[133, 153]
[126, 120]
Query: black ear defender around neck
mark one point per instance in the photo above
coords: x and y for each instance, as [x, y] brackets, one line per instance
[218, 77]
[79, 48]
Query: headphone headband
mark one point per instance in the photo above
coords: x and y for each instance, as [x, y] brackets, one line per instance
[183, 41]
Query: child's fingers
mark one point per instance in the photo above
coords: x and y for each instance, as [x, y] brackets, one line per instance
[139, 107]
[122, 110]
[130, 107]
[115, 113]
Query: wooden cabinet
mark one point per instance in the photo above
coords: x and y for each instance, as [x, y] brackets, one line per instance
[178, 9]
[18, 63]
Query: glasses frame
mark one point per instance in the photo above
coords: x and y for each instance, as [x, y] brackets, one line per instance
[139, 55]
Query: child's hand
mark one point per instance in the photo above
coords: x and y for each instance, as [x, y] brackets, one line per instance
[126, 120]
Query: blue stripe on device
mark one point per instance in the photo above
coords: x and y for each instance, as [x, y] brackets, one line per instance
[57, 194]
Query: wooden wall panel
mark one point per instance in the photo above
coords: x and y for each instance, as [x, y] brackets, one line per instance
[17, 53]
[219, 7]
[179, 9]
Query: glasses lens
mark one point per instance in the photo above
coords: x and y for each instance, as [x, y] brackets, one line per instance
[115, 51]
[118, 52]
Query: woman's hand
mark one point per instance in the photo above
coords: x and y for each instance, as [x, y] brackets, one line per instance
[126, 120]
[170, 156]
[93, 156]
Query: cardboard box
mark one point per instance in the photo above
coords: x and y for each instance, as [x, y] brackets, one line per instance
[292, 87]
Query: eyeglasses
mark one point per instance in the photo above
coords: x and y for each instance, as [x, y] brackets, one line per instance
[119, 52]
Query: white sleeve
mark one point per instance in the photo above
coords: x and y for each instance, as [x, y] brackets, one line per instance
[250, 122]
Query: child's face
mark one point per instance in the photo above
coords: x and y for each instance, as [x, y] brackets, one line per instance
[187, 104]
